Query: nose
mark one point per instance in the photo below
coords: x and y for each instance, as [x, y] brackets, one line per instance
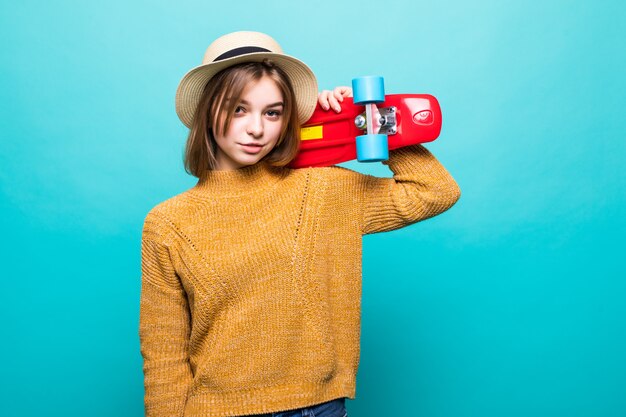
[255, 126]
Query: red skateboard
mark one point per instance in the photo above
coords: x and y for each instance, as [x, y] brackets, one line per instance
[329, 138]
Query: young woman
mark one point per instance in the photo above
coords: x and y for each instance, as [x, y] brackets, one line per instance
[251, 280]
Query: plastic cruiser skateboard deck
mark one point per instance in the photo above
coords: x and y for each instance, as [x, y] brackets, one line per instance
[368, 126]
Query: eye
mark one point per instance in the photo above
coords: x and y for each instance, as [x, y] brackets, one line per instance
[274, 114]
[239, 109]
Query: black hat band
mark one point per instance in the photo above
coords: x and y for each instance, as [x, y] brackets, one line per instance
[240, 51]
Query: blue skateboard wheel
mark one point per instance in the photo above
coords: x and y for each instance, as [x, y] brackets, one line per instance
[372, 148]
[368, 89]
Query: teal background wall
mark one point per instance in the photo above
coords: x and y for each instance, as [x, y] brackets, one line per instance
[510, 304]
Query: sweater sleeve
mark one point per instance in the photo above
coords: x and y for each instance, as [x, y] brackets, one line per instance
[164, 329]
[420, 188]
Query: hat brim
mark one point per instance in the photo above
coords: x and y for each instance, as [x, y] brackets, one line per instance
[300, 75]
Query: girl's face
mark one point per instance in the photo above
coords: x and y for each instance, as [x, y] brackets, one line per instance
[255, 127]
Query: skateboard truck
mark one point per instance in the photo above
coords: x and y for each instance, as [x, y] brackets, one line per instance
[384, 120]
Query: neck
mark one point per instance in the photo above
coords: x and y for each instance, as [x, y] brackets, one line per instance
[240, 181]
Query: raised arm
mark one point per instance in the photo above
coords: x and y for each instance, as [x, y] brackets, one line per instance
[420, 188]
[164, 328]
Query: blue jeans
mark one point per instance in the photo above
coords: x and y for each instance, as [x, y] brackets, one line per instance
[334, 408]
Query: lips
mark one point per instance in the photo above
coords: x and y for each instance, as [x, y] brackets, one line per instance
[251, 147]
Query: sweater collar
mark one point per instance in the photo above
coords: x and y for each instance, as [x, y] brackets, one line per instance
[259, 176]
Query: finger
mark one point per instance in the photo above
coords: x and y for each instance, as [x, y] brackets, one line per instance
[323, 99]
[338, 93]
[334, 103]
[341, 92]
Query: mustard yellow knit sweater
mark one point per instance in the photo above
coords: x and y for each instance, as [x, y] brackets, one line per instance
[251, 282]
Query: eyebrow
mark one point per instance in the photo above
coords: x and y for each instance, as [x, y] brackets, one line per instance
[278, 103]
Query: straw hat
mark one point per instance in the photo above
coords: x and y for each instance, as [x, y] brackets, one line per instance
[236, 48]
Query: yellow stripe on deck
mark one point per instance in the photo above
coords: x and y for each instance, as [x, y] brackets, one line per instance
[311, 132]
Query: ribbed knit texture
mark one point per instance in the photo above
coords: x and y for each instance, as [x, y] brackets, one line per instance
[251, 282]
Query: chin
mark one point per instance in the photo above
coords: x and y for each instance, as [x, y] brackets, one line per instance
[244, 162]
[251, 159]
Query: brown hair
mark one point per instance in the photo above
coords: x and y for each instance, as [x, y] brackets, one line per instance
[217, 105]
